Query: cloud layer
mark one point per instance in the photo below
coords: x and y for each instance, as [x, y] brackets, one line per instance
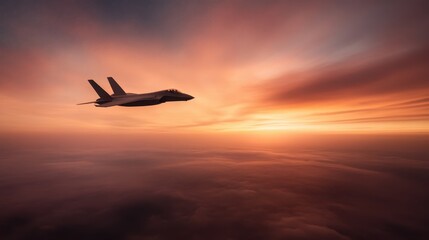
[319, 192]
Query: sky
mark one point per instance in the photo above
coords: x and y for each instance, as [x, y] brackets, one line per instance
[252, 66]
[310, 120]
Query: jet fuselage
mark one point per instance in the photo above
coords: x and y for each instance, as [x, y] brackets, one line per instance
[121, 98]
[147, 99]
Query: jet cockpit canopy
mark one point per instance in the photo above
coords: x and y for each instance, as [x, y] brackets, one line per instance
[173, 90]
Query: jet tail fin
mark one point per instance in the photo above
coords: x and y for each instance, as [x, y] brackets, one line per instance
[100, 91]
[117, 90]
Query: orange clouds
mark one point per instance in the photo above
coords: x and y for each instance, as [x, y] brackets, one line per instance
[250, 65]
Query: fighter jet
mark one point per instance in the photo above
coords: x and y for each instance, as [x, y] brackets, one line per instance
[121, 98]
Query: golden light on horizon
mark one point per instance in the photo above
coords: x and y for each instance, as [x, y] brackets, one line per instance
[245, 76]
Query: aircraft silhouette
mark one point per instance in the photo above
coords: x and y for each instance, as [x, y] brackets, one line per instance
[121, 98]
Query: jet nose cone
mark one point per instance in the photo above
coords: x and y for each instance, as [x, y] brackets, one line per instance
[190, 97]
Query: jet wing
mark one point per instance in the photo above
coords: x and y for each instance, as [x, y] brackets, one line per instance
[120, 101]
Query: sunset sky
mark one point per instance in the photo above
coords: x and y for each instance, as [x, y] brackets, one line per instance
[310, 120]
[252, 66]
